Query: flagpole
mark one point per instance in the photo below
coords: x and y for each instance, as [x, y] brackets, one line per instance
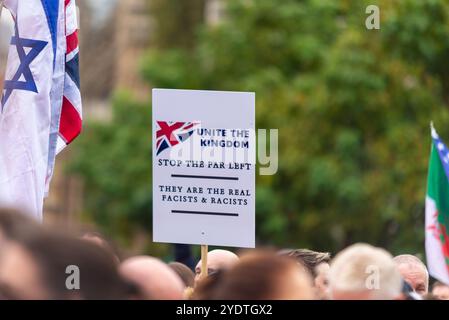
[1, 9]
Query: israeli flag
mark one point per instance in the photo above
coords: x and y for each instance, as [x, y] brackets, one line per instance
[31, 102]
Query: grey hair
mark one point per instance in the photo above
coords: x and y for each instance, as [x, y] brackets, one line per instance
[411, 260]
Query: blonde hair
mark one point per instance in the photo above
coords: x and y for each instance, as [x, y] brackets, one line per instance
[353, 270]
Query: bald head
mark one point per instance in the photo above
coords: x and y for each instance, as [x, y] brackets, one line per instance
[414, 272]
[155, 280]
[217, 260]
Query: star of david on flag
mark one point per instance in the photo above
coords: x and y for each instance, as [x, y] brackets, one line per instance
[41, 109]
[28, 84]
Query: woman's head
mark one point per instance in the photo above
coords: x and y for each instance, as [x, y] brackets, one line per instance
[259, 276]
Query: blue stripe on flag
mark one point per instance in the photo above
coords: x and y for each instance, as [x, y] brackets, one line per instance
[51, 8]
[57, 30]
[443, 153]
[72, 69]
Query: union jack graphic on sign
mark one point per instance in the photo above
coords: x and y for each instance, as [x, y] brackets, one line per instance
[171, 133]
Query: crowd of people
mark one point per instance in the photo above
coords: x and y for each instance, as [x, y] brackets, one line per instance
[40, 263]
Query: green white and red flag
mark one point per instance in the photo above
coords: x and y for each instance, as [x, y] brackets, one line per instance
[437, 210]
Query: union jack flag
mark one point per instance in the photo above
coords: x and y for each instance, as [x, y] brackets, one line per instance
[71, 113]
[67, 122]
[171, 133]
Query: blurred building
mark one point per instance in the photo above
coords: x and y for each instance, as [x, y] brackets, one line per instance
[133, 35]
[109, 61]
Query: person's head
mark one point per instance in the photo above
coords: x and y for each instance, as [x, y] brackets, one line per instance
[414, 272]
[14, 224]
[408, 293]
[20, 275]
[47, 265]
[440, 291]
[321, 281]
[259, 276]
[317, 263]
[187, 276]
[98, 239]
[430, 296]
[364, 272]
[217, 260]
[308, 258]
[153, 278]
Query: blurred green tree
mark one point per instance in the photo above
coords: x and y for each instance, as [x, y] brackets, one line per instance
[352, 107]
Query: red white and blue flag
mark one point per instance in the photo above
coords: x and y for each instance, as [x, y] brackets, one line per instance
[171, 133]
[40, 110]
[71, 113]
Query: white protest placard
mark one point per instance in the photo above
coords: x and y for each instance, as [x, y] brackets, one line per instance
[204, 167]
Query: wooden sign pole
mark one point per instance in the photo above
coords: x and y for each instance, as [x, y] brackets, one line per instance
[204, 250]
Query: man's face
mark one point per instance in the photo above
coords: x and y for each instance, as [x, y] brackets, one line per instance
[215, 261]
[441, 292]
[210, 270]
[321, 281]
[415, 276]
